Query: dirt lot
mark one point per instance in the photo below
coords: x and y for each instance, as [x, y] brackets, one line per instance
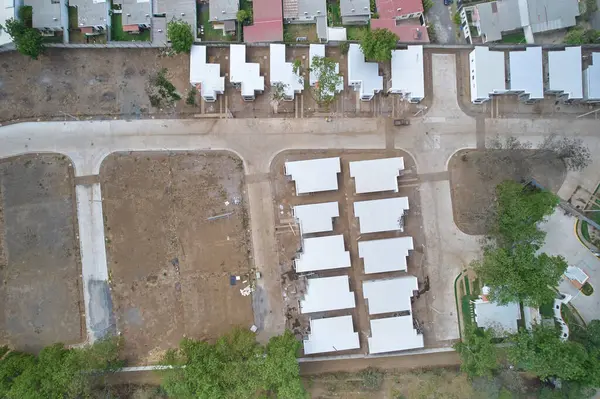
[474, 176]
[169, 265]
[41, 294]
[346, 224]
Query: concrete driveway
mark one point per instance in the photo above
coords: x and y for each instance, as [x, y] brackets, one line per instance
[561, 240]
[440, 16]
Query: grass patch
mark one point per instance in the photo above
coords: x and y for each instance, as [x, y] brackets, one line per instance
[476, 287]
[293, 31]
[3, 350]
[356, 32]
[467, 286]
[587, 289]
[514, 38]
[210, 33]
[468, 310]
[117, 34]
[546, 310]
[334, 15]
[584, 230]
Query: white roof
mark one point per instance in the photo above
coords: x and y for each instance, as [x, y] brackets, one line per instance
[327, 293]
[592, 79]
[244, 73]
[526, 72]
[390, 295]
[322, 253]
[283, 72]
[387, 255]
[394, 334]
[408, 75]
[6, 12]
[376, 174]
[380, 215]
[318, 50]
[487, 68]
[315, 218]
[499, 318]
[336, 34]
[575, 273]
[565, 73]
[314, 175]
[364, 74]
[330, 335]
[207, 75]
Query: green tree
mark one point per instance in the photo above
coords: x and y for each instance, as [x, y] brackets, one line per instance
[181, 35]
[427, 4]
[377, 44]
[519, 275]
[579, 36]
[477, 352]
[28, 41]
[328, 79]
[518, 211]
[244, 17]
[280, 370]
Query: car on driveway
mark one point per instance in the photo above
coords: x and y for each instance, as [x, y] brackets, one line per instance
[448, 2]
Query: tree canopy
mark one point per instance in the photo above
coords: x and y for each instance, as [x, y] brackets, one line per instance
[329, 80]
[477, 352]
[181, 35]
[580, 36]
[28, 41]
[377, 44]
[236, 366]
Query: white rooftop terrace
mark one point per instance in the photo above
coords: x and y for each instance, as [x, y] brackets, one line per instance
[331, 335]
[565, 74]
[393, 334]
[381, 215]
[282, 72]
[322, 253]
[316, 218]
[363, 75]
[243, 73]
[592, 79]
[208, 76]
[318, 50]
[408, 74]
[389, 295]
[387, 255]
[502, 319]
[314, 175]
[326, 294]
[376, 174]
[526, 73]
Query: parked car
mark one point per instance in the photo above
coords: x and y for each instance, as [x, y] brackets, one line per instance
[448, 2]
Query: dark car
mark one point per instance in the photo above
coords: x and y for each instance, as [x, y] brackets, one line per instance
[448, 2]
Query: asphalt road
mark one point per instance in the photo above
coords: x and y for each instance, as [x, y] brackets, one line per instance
[440, 16]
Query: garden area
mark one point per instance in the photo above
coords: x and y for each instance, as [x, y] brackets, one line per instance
[514, 38]
[210, 34]
[117, 33]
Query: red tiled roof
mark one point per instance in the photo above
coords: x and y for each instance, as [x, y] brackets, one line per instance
[388, 9]
[131, 28]
[268, 24]
[406, 33]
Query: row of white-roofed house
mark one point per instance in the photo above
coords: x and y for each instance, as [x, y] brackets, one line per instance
[328, 252]
[407, 78]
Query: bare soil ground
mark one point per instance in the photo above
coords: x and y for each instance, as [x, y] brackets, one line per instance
[41, 293]
[169, 264]
[474, 176]
[288, 239]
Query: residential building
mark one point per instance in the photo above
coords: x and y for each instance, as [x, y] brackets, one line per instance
[48, 15]
[385, 255]
[363, 76]
[565, 74]
[355, 12]
[576, 276]
[486, 22]
[399, 9]
[407, 33]
[244, 75]
[501, 318]
[184, 10]
[392, 334]
[268, 22]
[316, 218]
[331, 334]
[204, 76]
[314, 175]
[223, 14]
[526, 78]
[487, 74]
[282, 73]
[381, 215]
[136, 15]
[408, 74]
[322, 253]
[307, 12]
[591, 80]
[390, 295]
[92, 15]
[9, 10]
[326, 294]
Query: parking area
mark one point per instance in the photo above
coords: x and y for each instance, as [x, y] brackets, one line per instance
[176, 230]
[289, 242]
[41, 294]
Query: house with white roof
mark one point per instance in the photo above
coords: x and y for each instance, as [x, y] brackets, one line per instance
[390, 295]
[386, 255]
[205, 77]
[322, 253]
[282, 73]
[392, 334]
[316, 218]
[327, 293]
[318, 50]
[244, 75]
[526, 78]
[501, 318]
[487, 74]
[591, 80]
[314, 175]
[332, 334]
[565, 74]
[363, 76]
[376, 175]
[408, 74]
[381, 215]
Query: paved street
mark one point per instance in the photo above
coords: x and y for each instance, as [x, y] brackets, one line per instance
[440, 16]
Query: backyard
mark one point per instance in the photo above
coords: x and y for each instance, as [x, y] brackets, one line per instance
[210, 33]
[117, 33]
